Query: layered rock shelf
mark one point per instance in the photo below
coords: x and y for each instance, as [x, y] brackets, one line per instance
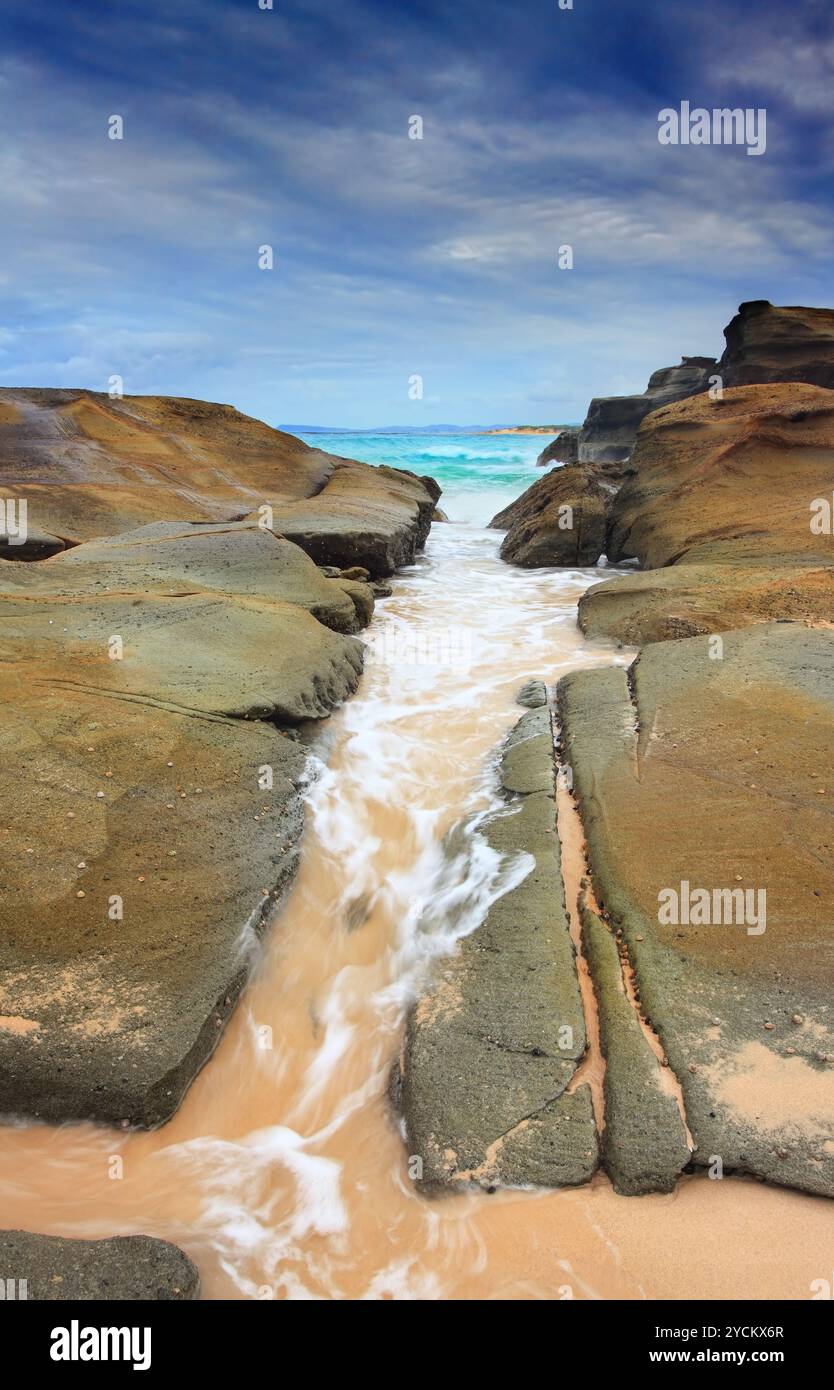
[155, 672]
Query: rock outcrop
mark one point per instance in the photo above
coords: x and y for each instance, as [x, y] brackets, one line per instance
[559, 520]
[135, 1269]
[719, 508]
[703, 788]
[151, 803]
[610, 428]
[766, 343]
[563, 449]
[88, 465]
[486, 1064]
[150, 683]
[562, 518]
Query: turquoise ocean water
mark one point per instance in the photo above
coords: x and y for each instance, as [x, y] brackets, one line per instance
[479, 473]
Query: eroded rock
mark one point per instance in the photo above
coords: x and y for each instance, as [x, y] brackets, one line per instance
[696, 774]
[769, 343]
[486, 1062]
[559, 520]
[89, 466]
[720, 506]
[123, 1268]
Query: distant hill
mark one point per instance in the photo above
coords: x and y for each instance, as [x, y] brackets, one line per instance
[390, 429]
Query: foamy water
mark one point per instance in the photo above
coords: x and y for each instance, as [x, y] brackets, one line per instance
[284, 1174]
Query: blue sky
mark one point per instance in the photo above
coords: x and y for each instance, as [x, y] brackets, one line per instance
[396, 257]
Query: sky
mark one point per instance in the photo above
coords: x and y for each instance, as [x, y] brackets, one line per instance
[396, 258]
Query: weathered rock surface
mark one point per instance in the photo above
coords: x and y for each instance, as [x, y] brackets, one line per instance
[719, 504]
[563, 449]
[769, 343]
[562, 518]
[644, 1145]
[180, 560]
[559, 520]
[123, 1268]
[610, 428]
[533, 694]
[695, 773]
[90, 466]
[486, 1063]
[688, 600]
[151, 808]
[141, 859]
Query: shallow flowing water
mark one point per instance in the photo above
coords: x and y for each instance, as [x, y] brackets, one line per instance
[284, 1173]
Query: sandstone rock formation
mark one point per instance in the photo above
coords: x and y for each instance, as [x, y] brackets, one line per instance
[89, 466]
[719, 508]
[644, 1142]
[695, 774]
[486, 1063]
[124, 1268]
[766, 343]
[149, 684]
[559, 520]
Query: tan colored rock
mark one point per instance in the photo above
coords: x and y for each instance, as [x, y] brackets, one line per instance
[559, 520]
[704, 773]
[91, 466]
[720, 506]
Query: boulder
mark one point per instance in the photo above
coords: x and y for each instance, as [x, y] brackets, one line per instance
[487, 1061]
[533, 694]
[702, 778]
[767, 344]
[720, 505]
[563, 449]
[559, 520]
[91, 466]
[135, 1269]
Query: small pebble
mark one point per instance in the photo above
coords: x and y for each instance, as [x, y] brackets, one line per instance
[81, 893]
[797, 1018]
[141, 878]
[769, 1027]
[100, 796]
[692, 1067]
